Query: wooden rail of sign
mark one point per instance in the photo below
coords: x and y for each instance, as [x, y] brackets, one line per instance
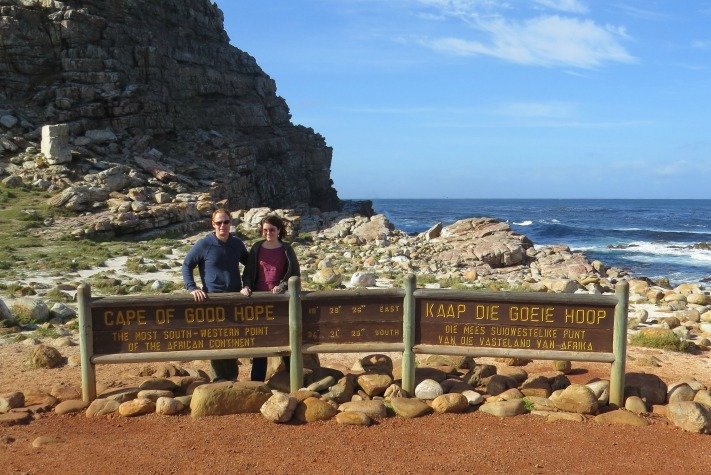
[528, 325]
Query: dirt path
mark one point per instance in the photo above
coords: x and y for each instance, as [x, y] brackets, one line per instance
[463, 443]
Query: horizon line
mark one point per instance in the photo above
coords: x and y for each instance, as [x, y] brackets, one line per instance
[527, 198]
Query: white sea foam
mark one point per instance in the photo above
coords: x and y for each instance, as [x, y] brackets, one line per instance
[524, 223]
[659, 252]
[659, 230]
[644, 251]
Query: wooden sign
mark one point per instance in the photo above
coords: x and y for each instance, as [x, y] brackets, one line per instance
[125, 326]
[173, 327]
[351, 321]
[516, 325]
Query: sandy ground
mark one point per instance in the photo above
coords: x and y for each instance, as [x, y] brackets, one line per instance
[462, 443]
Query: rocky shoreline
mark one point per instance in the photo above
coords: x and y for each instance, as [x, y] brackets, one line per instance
[344, 250]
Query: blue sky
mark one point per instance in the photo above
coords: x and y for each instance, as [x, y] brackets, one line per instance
[494, 99]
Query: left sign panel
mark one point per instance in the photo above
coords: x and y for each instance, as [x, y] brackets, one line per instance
[135, 327]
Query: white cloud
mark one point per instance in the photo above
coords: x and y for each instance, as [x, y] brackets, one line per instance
[570, 6]
[542, 41]
[640, 13]
[500, 29]
[464, 6]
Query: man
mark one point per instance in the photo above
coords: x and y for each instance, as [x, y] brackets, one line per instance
[217, 257]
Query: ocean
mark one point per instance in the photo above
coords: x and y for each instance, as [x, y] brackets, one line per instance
[648, 238]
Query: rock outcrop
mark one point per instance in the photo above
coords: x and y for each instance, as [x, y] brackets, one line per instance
[157, 110]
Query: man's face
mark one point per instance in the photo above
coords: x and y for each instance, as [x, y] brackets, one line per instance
[221, 225]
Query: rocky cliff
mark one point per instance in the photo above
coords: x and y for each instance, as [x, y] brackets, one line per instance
[153, 95]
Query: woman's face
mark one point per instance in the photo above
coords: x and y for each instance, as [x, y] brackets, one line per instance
[221, 225]
[270, 232]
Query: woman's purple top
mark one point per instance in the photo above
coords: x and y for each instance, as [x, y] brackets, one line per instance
[272, 267]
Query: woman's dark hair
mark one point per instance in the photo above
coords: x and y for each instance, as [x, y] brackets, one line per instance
[275, 221]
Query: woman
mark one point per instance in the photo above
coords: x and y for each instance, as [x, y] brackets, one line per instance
[270, 263]
[217, 257]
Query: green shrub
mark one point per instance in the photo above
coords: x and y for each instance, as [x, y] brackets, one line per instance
[315, 286]
[170, 287]
[56, 295]
[664, 340]
[167, 288]
[107, 285]
[452, 283]
[50, 332]
[22, 314]
[157, 248]
[423, 279]
[135, 265]
[13, 289]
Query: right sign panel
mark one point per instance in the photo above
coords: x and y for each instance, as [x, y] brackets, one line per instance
[527, 326]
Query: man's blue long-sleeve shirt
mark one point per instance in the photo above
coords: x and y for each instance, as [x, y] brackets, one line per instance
[217, 263]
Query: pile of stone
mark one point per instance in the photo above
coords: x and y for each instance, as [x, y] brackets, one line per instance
[371, 390]
[467, 251]
[684, 311]
[346, 250]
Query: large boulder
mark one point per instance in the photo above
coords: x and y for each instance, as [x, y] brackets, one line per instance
[450, 403]
[136, 407]
[44, 356]
[409, 408]
[102, 407]
[220, 399]
[374, 384]
[5, 313]
[483, 240]
[374, 228]
[649, 387]
[79, 197]
[576, 398]
[510, 408]
[374, 409]
[55, 144]
[10, 401]
[690, 416]
[279, 407]
[28, 309]
[313, 409]
[621, 416]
